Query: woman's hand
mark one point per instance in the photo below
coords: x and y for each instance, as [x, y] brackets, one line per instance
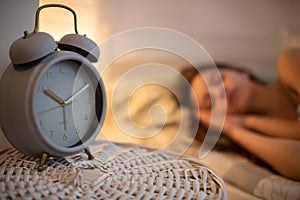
[234, 121]
[231, 123]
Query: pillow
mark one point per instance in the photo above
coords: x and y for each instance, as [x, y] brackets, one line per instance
[147, 114]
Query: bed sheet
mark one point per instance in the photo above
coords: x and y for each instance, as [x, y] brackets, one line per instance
[247, 176]
[159, 129]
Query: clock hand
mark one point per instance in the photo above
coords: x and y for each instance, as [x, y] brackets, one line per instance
[55, 107]
[49, 109]
[65, 118]
[69, 100]
[54, 96]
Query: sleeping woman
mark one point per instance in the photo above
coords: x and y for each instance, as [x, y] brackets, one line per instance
[261, 118]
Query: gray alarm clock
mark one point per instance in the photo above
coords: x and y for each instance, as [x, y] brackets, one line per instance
[53, 99]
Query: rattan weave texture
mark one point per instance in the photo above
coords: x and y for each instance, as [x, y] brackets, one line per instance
[122, 171]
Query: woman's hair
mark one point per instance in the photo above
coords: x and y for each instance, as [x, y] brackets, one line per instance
[189, 73]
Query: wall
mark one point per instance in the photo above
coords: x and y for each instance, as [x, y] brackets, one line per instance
[59, 22]
[246, 32]
[16, 17]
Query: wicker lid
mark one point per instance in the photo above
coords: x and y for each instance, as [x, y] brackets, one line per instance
[117, 172]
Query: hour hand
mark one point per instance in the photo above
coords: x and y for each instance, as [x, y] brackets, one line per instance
[55, 97]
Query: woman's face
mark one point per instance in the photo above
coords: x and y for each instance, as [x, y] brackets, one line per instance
[237, 93]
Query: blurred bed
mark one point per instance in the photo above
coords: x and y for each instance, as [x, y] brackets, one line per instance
[149, 114]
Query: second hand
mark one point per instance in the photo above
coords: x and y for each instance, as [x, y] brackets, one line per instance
[64, 118]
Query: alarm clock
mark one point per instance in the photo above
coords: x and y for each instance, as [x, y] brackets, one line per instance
[53, 99]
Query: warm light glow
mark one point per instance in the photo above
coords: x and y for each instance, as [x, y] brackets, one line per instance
[59, 22]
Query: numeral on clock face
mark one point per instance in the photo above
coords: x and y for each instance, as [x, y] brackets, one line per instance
[49, 75]
[51, 133]
[40, 89]
[62, 69]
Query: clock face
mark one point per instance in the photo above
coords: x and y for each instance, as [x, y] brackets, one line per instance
[67, 103]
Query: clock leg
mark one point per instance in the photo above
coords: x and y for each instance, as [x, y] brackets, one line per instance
[90, 155]
[42, 162]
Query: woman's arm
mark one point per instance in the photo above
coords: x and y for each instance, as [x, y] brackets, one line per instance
[281, 154]
[278, 127]
[289, 69]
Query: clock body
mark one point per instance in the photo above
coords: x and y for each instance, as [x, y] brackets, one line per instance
[54, 105]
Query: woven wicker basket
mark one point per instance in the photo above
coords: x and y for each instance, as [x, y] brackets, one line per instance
[122, 171]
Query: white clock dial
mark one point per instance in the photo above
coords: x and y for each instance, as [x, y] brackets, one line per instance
[65, 104]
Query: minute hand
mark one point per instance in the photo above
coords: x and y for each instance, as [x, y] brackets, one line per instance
[68, 101]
